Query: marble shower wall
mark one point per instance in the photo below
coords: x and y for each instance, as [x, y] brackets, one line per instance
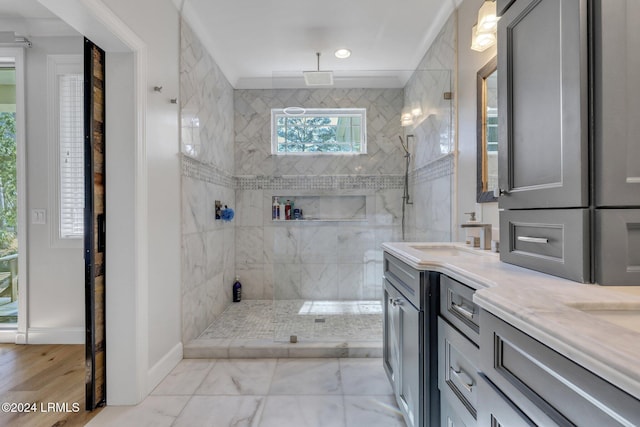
[432, 170]
[319, 259]
[207, 137]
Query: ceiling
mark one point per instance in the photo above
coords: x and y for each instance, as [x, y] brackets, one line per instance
[268, 43]
[257, 43]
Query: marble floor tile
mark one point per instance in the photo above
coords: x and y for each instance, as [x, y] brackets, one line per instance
[185, 378]
[372, 411]
[306, 376]
[221, 411]
[364, 377]
[239, 377]
[154, 411]
[303, 411]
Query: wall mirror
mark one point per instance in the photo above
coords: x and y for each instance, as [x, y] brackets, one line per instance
[487, 132]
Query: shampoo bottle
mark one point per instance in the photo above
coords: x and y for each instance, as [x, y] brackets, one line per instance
[287, 210]
[237, 290]
[281, 211]
[275, 209]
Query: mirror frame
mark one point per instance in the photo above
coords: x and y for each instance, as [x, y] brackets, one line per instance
[481, 153]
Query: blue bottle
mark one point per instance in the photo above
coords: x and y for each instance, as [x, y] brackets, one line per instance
[237, 290]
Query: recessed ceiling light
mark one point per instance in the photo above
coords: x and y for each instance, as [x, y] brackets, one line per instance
[342, 53]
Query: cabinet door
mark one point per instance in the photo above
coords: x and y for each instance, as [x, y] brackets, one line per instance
[409, 397]
[391, 334]
[543, 104]
[617, 103]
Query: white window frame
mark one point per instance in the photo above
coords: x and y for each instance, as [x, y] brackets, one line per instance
[58, 65]
[318, 112]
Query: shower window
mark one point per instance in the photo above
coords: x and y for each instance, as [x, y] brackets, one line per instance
[318, 131]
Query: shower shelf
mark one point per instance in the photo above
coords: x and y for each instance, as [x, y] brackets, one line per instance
[326, 207]
[293, 221]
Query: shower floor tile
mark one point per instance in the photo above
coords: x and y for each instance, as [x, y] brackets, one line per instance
[263, 328]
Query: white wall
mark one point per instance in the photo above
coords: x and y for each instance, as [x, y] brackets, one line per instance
[156, 23]
[143, 187]
[469, 62]
[55, 275]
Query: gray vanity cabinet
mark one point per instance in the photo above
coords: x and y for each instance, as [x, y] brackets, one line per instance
[543, 92]
[544, 388]
[617, 106]
[410, 341]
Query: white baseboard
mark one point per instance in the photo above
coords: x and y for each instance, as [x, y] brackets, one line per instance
[8, 336]
[162, 368]
[56, 336]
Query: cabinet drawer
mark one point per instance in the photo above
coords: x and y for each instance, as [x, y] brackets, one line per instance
[541, 381]
[618, 246]
[496, 410]
[457, 371]
[551, 241]
[450, 418]
[457, 306]
[404, 278]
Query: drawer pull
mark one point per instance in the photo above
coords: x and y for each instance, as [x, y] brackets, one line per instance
[461, 309]
[533, 239]
[463, 378]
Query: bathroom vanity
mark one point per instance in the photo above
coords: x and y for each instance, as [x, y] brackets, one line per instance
[516, 347]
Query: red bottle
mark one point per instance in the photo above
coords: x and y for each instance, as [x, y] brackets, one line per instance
[287, 210]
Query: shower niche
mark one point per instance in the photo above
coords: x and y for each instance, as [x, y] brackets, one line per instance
[319, 208]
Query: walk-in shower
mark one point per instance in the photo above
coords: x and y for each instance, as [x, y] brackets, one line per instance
[317, 281]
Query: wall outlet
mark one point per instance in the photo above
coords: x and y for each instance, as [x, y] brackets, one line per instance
[38, 216]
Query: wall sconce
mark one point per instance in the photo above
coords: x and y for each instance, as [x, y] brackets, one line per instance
[483, 34]
[409, 114]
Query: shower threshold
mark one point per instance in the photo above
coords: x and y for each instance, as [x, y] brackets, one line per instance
[292, 328]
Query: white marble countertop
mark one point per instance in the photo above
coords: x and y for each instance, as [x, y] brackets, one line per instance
[548, 308]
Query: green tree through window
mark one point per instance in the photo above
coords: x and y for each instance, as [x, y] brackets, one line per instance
[337, 131]
[8, 185]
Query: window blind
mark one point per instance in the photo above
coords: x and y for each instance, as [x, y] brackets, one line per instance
[71, 135]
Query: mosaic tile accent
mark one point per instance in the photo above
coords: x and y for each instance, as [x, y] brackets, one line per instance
[333, 182]
[308, 320]
[437, 169]
[195, 169]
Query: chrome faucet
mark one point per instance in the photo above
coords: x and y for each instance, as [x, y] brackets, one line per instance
[485, 230]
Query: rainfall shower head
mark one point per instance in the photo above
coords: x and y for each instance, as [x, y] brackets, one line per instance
[318, 78]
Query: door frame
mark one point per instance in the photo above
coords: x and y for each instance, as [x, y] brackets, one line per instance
[127, 325]
[19, 335]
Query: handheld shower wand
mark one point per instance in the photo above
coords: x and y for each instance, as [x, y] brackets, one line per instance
[405, 196]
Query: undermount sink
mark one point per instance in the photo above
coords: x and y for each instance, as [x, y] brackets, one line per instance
[445, 250]
[627, 316]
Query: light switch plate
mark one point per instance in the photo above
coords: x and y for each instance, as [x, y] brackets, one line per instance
[38, 216]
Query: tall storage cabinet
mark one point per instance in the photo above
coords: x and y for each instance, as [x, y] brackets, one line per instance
[569, 134]
[617, 141]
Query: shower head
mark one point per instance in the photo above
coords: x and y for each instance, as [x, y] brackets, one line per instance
[318, 78]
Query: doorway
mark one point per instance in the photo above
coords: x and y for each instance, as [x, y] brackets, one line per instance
[12, 197]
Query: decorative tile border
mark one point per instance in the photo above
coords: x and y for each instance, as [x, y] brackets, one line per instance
[209, 173]
[322, 182]
[437, 169]
[195, 169]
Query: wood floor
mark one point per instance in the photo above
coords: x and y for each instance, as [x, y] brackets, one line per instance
[49, 378]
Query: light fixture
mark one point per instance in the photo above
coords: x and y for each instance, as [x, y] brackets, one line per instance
[487, 19]
[318, 78]
[483, 34]
[342, 53]
[406, 118]
[481, 41]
